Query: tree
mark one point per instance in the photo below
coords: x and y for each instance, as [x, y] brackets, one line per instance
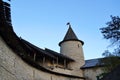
[112, 33]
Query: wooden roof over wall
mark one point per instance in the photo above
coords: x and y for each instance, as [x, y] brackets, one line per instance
[16, 44]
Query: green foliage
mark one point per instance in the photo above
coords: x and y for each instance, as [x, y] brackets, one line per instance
[112, 33]
[110, 63]
[100, 76]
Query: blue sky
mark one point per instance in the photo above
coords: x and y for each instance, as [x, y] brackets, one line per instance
[43, 22]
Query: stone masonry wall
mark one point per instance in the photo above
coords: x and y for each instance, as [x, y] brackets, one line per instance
[74, 50]
[12, 67]
[92, 73]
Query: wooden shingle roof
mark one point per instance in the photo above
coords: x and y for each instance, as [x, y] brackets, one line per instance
[61, 56]
[46, 52]
[70, 36]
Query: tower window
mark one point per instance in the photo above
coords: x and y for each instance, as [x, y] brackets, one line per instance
[78, 45]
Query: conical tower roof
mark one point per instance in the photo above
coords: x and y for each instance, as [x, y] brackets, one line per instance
[70, 36]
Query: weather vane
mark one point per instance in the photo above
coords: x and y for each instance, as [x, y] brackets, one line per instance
[68, 24]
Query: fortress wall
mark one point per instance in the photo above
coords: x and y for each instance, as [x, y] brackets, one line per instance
[12, 67]
[92, 73]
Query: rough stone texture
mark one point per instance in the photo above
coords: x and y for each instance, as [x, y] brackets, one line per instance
[12, 67]
[91, 73]
[73, 49]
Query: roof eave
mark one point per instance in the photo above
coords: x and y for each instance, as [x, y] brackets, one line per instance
[71, 40]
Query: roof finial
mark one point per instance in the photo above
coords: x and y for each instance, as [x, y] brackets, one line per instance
[69, 25]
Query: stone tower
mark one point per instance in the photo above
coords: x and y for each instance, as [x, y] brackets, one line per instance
[71, 46]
